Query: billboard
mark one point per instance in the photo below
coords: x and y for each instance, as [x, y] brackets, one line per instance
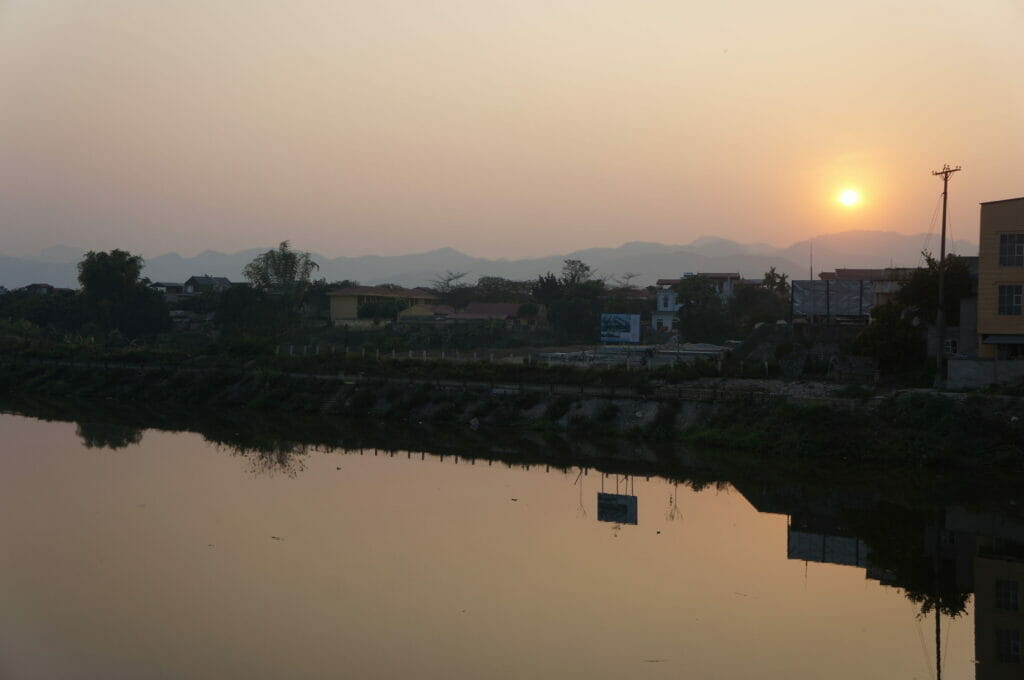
[833, 298]
[620, 328]
[617, 508]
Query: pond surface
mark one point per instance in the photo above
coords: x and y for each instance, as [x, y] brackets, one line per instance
[171, 557]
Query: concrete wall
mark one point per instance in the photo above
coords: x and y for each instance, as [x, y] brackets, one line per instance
[972, 373]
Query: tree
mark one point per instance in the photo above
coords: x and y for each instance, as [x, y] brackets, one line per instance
[547, 289]
[701, 317]
[921, 291]
[115, 297]
[281, 271]
[445, 283]
[575, 272]
[284, 275]
[891, 338]
[776, 283]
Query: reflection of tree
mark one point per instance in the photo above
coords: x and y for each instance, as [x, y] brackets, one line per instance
[103, 435]
[272, 455]
[899, 544]
[674, 512]
[581, 510]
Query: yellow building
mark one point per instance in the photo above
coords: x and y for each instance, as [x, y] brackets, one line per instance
[1001, 280]
[345, 303]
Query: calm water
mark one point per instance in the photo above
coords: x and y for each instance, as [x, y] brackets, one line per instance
[171, 557]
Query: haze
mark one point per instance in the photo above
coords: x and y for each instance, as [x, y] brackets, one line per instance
[499, 128]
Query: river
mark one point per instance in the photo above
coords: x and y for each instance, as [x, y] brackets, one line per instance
[149, 553]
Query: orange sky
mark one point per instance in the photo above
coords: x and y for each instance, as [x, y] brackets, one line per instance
[499, 128]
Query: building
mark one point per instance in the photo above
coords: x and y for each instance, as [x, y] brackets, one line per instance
[206, 284]
[1001, 280]
[346, 303]
[667, 304]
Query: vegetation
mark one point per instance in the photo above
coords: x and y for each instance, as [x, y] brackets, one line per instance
[115, 298]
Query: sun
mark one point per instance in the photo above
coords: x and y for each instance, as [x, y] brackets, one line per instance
[849, 197]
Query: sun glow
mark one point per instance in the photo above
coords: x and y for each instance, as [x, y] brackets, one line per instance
[849, 197]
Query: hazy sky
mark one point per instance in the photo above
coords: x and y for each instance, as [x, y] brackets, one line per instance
[498, 127]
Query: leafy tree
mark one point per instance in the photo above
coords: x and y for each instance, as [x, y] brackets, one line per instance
[498, 289]
[751, 305]
[576, 314]
[247, 310]
[284, 275]
[891, 338]
[776, 283]
[575, 272]
[281, 271]
[547, 289]
[59, 310]
[921, 291]
[702, 317]
[115, 297]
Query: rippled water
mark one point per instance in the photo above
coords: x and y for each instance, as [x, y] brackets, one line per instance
[171, 557]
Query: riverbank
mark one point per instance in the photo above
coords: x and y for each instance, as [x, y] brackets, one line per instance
[771, 419]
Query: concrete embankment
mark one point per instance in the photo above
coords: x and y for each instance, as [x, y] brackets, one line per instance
[774, 418]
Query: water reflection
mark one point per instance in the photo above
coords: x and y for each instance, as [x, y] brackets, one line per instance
[106, 435]
[937, 540]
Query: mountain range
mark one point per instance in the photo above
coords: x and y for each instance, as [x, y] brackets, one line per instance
[649, 261]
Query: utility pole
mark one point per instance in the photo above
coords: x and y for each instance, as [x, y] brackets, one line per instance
[940, 320]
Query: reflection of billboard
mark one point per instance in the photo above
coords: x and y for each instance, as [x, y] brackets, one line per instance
[829, 549]
[832, 298]
[620, 328]
[613, 507]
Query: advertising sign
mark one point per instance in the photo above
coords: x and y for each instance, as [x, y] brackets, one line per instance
[620, 328]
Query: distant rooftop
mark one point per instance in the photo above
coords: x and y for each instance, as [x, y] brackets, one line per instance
[378, 291]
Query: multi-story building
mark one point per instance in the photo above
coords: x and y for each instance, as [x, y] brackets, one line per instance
[1001, 280]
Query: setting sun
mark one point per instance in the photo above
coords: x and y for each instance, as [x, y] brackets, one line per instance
[849, 197]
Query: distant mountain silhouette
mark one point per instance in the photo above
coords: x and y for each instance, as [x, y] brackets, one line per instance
[651, 261]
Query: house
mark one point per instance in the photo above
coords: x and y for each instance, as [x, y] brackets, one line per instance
[168, 288]
[1001, 280]
[39, 288]
[666, 303]
[346, 302]
[206, 284]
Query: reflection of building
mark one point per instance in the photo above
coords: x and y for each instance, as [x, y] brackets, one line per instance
[998, 617]
[967, 552]
[812, 547]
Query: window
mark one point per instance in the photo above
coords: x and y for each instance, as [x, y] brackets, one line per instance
[1009, 300]
[1007, 645]
[1007, 595]
[1011, 250]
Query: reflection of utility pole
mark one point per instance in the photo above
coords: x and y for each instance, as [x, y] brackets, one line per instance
[941, 317]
